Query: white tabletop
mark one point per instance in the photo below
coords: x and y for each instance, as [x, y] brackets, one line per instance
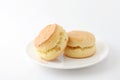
[21, 21]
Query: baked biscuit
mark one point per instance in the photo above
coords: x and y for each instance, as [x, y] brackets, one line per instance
[81, 44]
[51, 41]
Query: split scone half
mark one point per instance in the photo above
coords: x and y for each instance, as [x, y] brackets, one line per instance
[81, 44]
[51, 41]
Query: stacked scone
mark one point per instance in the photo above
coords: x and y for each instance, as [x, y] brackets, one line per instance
[53, 40]
[81, 44]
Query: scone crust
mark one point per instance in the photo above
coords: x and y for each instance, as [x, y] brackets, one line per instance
[45, 34]
[81, 39]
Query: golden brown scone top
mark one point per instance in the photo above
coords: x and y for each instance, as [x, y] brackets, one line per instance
[81, 38]
[45, 34]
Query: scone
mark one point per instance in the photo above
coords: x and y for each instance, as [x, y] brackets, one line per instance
[81, 44]
[51, 41]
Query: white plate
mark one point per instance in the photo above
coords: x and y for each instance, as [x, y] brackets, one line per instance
[69, 63]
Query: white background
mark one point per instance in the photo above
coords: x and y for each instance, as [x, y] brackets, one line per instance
[21, 21]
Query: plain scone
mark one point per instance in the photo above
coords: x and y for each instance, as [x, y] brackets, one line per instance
[51, 42]
[81, 44]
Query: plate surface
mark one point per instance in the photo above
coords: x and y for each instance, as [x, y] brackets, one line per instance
[64, 62]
